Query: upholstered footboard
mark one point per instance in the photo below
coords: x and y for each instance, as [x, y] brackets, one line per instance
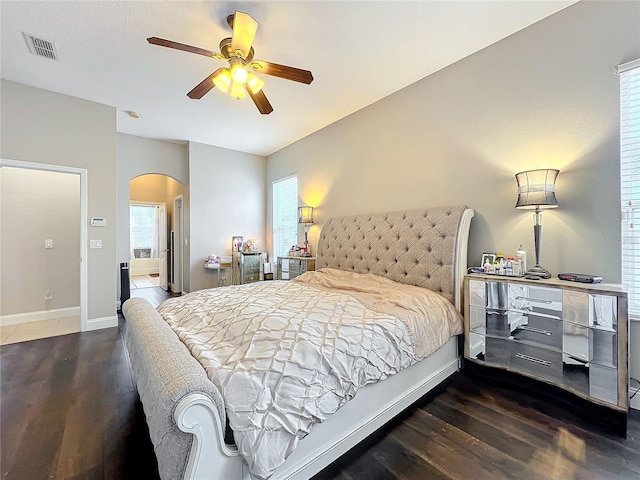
[184, 410]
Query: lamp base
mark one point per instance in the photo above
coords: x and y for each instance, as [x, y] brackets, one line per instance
[539, 272]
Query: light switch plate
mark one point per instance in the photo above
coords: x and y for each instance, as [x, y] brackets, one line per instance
[95, 243]
[48, 243]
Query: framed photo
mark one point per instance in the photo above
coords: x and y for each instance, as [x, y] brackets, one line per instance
[488, 258]
[236, 243]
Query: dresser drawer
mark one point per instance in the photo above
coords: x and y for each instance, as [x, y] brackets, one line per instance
[503, 324]
[497, 351]
[477, 320]
[543, 331]
[477, 293]
[497, 323]
[575, 342]
[251, 277]
[497, 295]
[542, 300]
[536, 361]
[603, 383]
[603, 347]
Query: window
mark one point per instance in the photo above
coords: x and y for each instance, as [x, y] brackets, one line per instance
[285, 215]
[143, 222]
[630, 180]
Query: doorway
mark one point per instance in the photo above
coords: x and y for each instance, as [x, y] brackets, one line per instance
[44, 267]
[148, 241]
[152, 220]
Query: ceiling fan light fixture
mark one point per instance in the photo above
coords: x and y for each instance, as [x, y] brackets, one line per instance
[237, 90]
[254, 83]
[239, 73]
[238, 79]
[223, 80]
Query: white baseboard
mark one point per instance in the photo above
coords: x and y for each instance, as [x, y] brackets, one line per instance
[98, 323]
[27, 317]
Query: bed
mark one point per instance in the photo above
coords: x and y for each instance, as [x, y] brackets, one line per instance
[190, 396]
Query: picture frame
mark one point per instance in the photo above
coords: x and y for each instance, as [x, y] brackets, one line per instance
[236, 243]
[488, 258]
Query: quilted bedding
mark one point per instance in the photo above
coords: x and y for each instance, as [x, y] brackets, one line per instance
[286, 355]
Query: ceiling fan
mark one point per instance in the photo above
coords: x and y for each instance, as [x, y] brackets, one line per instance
[238, 79]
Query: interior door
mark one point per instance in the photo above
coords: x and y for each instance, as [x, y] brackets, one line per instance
[162, 245]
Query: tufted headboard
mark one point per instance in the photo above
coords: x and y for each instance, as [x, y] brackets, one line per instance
[425, 247]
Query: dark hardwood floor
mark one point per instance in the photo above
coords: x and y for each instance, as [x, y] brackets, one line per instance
[69, 409]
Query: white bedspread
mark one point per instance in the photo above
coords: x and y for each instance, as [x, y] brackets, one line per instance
[286, 355]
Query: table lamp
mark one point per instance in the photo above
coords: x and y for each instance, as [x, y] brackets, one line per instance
[537, 191]
[305, 217]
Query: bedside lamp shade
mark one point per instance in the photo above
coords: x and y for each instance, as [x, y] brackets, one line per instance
[537, 191]
[305, 215]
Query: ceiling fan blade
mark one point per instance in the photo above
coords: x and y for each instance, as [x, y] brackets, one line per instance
[181, 46]
[260, 99]
[204, 86]
[282, 71]
[244, 30]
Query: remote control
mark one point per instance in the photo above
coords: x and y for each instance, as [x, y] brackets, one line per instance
[579, 277]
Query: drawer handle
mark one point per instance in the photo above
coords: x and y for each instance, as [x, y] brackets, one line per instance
[535, 330]
[533, 359]
[537, 314]
[578, 359]
[534, 300]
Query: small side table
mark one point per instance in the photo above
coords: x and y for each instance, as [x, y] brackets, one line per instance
[216, 267]
[291, 267]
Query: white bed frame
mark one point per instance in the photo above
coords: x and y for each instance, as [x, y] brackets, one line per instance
[370, 409]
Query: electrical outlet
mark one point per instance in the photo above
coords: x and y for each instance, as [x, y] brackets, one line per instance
[48, 294]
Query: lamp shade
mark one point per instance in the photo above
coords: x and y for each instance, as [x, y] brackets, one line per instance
[537, 189]
[305, 215]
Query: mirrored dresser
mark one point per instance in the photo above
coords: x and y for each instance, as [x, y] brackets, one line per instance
[572, 335]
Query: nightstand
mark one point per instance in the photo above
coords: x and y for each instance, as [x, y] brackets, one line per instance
[571, 335]
[291, 267]
[247, 267]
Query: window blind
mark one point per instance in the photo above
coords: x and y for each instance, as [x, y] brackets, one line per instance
[630, 181]
[285, 215]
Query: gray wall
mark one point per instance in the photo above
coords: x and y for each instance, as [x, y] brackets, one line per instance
[543, 97]
[45, 127]
[226, 198]
[38, 205]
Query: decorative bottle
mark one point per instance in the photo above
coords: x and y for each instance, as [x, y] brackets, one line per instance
[521, 256]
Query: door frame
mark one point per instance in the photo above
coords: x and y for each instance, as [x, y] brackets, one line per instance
[177, 255]
[84, 195]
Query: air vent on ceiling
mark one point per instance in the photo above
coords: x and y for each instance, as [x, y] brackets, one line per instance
[40, 47]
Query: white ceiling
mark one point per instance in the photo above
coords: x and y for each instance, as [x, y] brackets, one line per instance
[358, 51]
